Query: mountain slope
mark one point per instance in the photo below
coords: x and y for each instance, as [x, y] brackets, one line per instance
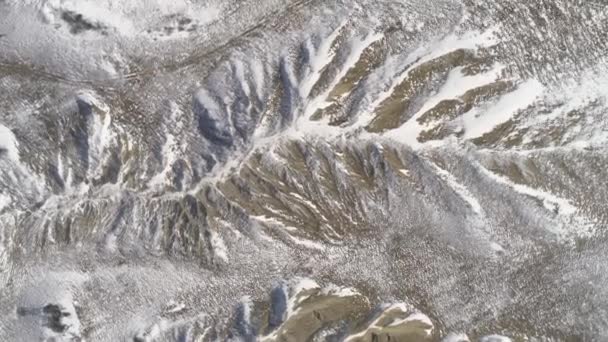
[303, 170]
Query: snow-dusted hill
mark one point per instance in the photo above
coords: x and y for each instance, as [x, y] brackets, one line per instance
[303, 170]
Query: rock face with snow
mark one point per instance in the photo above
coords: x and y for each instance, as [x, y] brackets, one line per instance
[303, 170]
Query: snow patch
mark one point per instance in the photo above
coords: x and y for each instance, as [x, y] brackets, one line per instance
[300, 285]
[416, 317]
[296, 240]
[111, 242]
[495, 338]
[219, 247]
[5, 201]
[306, 243]
[175, 307]
[404, 172]
[457, 81]
[480, 121]
[8, 143]
[333, 290]
[460, 189]
[496, 247]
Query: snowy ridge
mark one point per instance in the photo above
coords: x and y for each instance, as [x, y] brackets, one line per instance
[179, 159]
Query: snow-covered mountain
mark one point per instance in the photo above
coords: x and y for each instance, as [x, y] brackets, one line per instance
[303, 170]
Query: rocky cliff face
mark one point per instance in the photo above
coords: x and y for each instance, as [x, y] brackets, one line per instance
[303, 171]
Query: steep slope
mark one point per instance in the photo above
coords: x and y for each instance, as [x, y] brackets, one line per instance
[183, 171]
